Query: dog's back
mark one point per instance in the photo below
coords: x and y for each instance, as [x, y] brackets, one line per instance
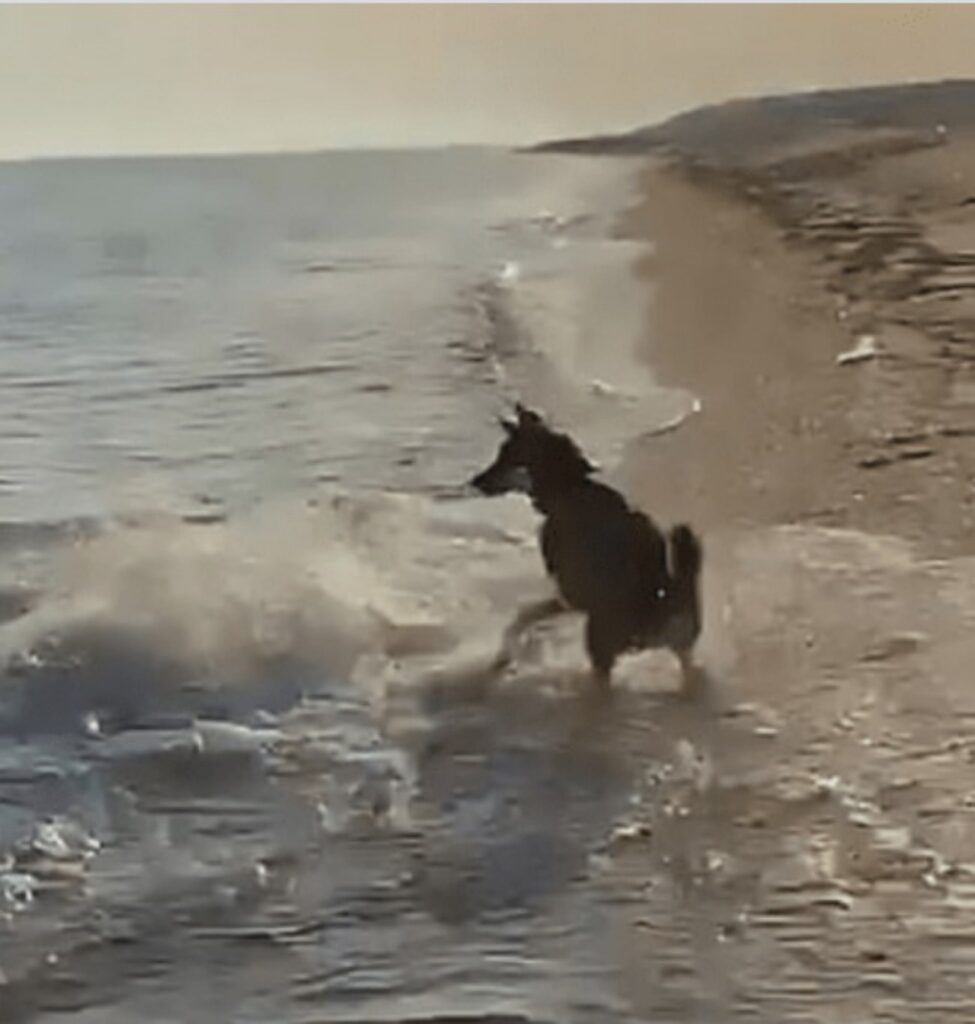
[638, 588]
[604, 555]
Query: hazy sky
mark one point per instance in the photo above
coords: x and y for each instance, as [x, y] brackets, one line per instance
[217, 78]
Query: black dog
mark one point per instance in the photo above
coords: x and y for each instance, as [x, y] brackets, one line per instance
[636, 587]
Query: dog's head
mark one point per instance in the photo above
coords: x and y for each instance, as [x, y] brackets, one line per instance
[530, 450]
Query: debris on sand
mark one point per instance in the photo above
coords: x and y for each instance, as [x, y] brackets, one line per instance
[865, 348]
[509, 273]
[600, 387]
[630, 830]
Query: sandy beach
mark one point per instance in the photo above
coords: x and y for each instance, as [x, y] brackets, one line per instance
[835, 492]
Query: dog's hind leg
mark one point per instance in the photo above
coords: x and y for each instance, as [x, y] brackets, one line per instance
[603, 647]
[695, 680]
[527, 617]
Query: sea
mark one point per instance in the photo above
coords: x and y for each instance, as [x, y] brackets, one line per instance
[254, 763]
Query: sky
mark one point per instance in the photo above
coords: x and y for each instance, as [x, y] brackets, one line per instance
[218, 78]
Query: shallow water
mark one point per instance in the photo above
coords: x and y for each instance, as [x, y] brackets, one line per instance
[250, 755]
[230, 328]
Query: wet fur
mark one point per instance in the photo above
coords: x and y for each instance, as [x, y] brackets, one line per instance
[637, 587]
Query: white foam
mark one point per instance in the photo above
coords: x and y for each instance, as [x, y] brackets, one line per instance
[574, 318]
[360, 584]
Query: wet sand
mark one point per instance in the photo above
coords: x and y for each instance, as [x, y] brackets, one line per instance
[827, 871]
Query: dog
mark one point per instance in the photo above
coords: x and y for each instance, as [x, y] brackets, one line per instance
[637, 587]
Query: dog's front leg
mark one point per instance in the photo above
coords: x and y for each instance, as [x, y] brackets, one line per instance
[527, 617]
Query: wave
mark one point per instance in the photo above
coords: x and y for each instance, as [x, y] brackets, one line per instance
[564, 331]
[309, 591]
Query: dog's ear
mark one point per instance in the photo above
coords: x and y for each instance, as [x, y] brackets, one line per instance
[526, 417]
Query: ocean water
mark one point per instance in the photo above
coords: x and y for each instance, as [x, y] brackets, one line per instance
[252, 763]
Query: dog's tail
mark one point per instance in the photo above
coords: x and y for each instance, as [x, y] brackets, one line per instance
[685, 555]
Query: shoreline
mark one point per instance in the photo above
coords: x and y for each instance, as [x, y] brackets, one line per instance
[836, 502]
[761, 286]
